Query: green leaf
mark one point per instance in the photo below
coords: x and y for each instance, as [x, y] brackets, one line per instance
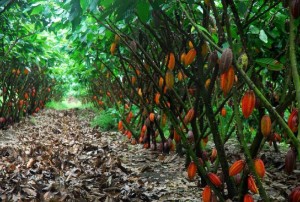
[37, 10]
[253, 29]
[93, 5]
[270, 63]
[143, 10]
[75, 14]
[263, 36]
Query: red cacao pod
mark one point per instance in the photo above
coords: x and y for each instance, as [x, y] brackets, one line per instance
[214, 179]
[259, 167]
[223, 112]
[176, 137]
[295, 195]
[236, 167]
[295, 8]
[266, 125]
[290, 161]
[252, 185]
[206, 194]
[213, 155]
[189, 57]
[161, 82]
[248, 198]
[192, 170]
[120, 125]
[248, 103]
[226, 60]
[293, 120]
[226, 80]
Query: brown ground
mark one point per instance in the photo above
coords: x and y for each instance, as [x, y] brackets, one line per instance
[57, 156]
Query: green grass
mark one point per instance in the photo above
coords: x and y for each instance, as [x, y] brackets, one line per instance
[106, 119]
[65, 104]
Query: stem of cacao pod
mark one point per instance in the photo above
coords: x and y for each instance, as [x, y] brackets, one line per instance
[248, 156]
[270, 108]
[295, 73]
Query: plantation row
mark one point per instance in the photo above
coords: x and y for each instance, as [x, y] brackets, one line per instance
[188, 74]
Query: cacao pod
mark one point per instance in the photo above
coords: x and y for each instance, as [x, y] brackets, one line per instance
[206, 194]
[120, 125]
[182, 58]
[171, 61]
[223, 112]
[212, 59]
[251, 185]
[248, 103]
[293, 121]
[213, 155]
[157, 98]
[248, 198]
[204, 49]
[169, 79]
[226, 80]
[207, 83]
[192, 170]
[190, 56]
[226, 60]
[295, 195]
[214, 179]
[191, 45]
[152, 117]
[113, 48]
[236, 167]
[161, 82]
[176, 137]
[259, 167]
[295, 8]
[117, 38]
[290, 161]
[189, 116]
[266, 125]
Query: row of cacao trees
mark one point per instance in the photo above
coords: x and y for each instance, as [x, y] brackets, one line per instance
[192, 72]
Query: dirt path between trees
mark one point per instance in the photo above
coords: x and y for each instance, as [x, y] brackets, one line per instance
[57, 156]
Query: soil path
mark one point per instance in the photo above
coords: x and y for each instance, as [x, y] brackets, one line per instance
[57, 156]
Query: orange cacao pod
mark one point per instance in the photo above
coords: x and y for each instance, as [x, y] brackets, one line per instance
[251, 185]
[190, 56]
[214, 154]
[207, 83]
[171, 61]
[157, 98]
[248, 103]
[169, 79]
[290, 161]
[192, 170]
[189, 116]
[293, 120]
[226, 80]
[248, 198]
[152, 116]
[214, 179]
[223, 112]
[161, 82]
[113, 48]
[191, 45]
[120, 125]
[182, 58]
[266, 125]
[206, 194]
[295, 195]
[236, 167]
[226, 60]
[259, 167]
[180, 76]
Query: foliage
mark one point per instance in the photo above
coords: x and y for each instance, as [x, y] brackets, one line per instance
[106, 119]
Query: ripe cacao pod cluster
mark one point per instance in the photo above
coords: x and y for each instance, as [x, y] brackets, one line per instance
[248, 103]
